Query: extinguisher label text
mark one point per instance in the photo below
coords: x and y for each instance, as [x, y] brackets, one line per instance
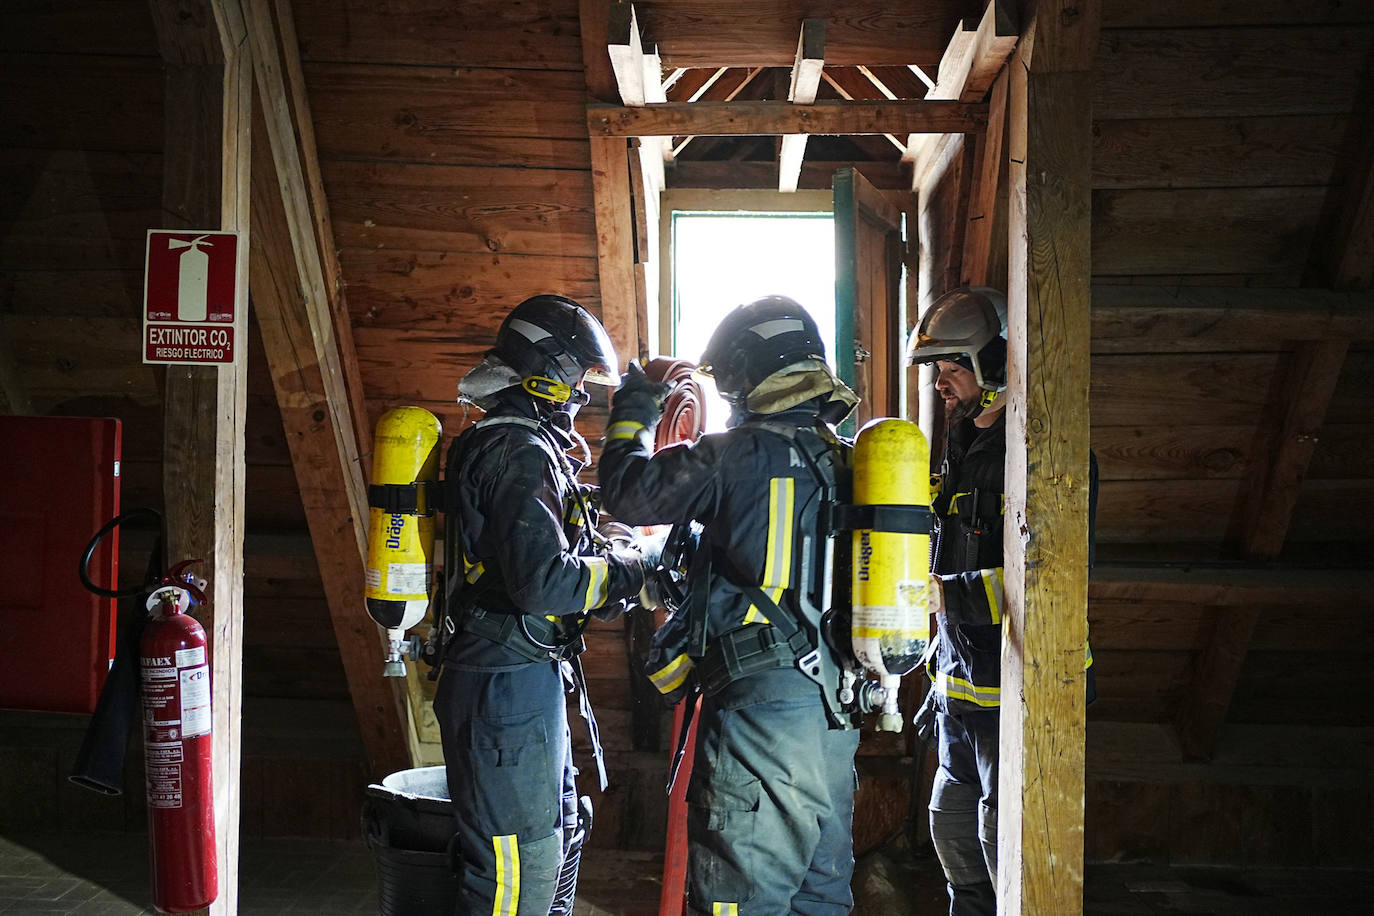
[188, 657]
[195, 701]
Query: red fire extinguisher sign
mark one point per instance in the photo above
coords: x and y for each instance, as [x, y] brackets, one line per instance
[189, 296]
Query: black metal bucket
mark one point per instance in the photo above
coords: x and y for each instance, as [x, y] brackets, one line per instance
[408, 825]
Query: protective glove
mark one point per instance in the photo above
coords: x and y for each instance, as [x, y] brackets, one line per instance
[651, 551]
[638, 397]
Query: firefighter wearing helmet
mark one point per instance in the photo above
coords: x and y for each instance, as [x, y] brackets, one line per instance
[771, 794]
[964, 334]
[524, 567]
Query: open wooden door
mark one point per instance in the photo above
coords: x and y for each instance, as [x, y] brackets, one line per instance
[869, 336]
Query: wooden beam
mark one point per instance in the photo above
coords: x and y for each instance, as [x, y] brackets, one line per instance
[626, 53]
[205, 186]
[806, 81]
[1219, 313]
[985, 254]
[1228, 586]
[638, 76]
[1045, 549]
[735, 119]
[612, 195]
[310, 355]
[976, 54]
[808, 63]
[615, 243]
[694, 174]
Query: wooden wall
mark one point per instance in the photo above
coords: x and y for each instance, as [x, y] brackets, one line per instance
[1223, 139]
[455, 159]
[81, 90]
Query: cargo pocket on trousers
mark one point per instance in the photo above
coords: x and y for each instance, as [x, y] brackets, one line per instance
[516, 785]
[722, 815]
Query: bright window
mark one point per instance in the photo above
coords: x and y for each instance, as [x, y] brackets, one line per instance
[721, 260]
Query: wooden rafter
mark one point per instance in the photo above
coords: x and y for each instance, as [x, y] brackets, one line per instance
[733, 119]
[844, 83]
[725, 96]
[976, 53]
[806, 80]
[310, 355]
[985, 254]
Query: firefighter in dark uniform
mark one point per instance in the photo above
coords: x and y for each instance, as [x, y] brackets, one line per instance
[771, 795]
[524, 569]
[964, 334]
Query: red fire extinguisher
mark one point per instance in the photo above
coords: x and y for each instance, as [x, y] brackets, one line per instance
[175, 673]
[175, 690]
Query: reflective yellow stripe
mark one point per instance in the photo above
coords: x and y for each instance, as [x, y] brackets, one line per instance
[957, 688]
[777, 566]
[724, 909]
[474, 570]
[992, 587]
[599, 585]
[623, 429]
[507, 898]
[670, 676]
[1088, 650]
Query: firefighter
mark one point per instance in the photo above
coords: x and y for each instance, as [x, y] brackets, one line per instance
[524, 568]
[964, 334]
[771, 796]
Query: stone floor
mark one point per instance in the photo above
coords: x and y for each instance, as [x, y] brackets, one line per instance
[106, 874]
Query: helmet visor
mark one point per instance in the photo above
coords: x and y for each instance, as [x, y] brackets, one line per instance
[596, 354]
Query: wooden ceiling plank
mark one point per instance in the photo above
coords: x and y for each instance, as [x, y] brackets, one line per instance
[311, 357]
[205, 186]
[733, 119]
[805, 83]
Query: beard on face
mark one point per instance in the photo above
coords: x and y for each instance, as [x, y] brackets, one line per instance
[960, 410]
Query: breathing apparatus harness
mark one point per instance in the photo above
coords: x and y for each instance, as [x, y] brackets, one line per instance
[789, 638]
[478, 605]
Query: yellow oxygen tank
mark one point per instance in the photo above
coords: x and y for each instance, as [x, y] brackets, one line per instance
[890, 627]
[400, 533]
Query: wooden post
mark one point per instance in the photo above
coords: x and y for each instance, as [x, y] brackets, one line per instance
[207, 117]
[1040, 836]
